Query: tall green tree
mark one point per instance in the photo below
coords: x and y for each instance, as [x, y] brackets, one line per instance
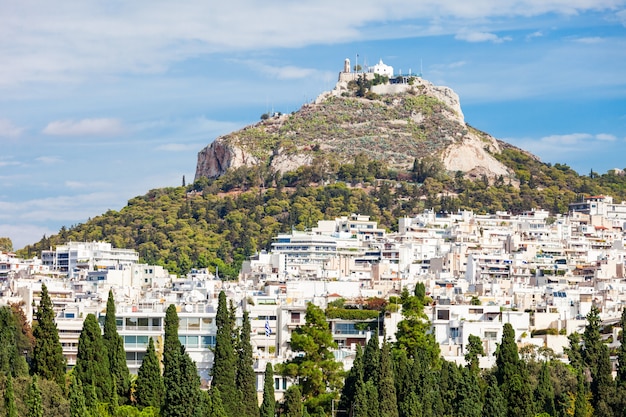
[217, 407]
[495, 403]
[48, 360]
[413, 333]
[9, 397]
[355, 374]
[11, 359]
[544, 393]
[387, 399]
[469, 399]
[474, 350]
[620, 378]
[149, 390]
[224, 370]
[92, 361]
[512, 376]
[117, 355]
[246, 378]
[317, 372]
[78, 407]
[268, 406]
[183, 397]
[371, 359]
[582, 407]
[293, 406]
[33, 399]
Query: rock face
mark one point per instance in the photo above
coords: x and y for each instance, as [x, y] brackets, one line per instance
[396, 124]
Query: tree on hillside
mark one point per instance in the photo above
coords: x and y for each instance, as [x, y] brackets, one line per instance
[12, 362]
[512, 376]
[474, 350]
[9, 398]
[413, 333]
[48, 360]
[6, 244]
[117, 356]
[348, 392]
[544, 393]
[224, 363]
[78, 407]
[268, 406]
[317, 372]
[292, 406]
[34, 402]
[183, 397]
[150, 389]
[246, 378]
[92, 361]
[371, 359]
[387, 401]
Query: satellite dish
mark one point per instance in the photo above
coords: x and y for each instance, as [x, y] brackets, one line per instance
[188, 308]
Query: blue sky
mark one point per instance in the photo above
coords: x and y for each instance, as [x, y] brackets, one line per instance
[101, 101]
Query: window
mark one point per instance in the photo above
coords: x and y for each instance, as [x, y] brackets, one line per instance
[491, 335]
[443, 314]
[295, 318]
[277, 383]
[454, 332]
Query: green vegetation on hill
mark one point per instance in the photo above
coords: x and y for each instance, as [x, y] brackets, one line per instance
[218, 223]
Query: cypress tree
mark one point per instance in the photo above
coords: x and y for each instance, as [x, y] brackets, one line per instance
[495, 403]
[512, 376]
[150, 389]
[217, 406]
[410, 406]
[246, 378]
[602, 385]
[620, 378]
[371, 359]
[474, 350]
[11, 359]
[92, 361]
[373, 405]
[9, 397]
[469, 402]
[348, 392]
[293, 402]
[117, 356]
[33, 399]
[180, 376]
[388, 402]
[78, 407]
[544, 394]
[224, 361]
[268, 406]
[582, 408]
[48, 360]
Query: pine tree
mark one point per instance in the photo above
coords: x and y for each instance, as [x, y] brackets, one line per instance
[9, 398]
[150, 389]
[544, 393]
[293, 402]
[33, 399]
[92, 361]
[224, 362]
[474, 350]
[246, 378]
[48, 360]
[388, 402]
[117, 356]
[268, 406]
[596, 358]
[78, 407]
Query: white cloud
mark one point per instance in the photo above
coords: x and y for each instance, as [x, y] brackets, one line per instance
[470, 36]
[606, 137]
[74, 40]
[621, 16]
[84, 127]
[590, 40]
[9, 130]
[537, 34]
[568, 139]
[177, 147]
[24, 234]
[49, 160]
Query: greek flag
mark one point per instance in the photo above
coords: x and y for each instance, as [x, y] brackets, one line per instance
[268, 330]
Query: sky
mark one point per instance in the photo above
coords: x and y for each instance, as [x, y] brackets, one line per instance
[103, 100]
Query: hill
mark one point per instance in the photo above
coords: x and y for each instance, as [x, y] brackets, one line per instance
[385, 154]
[391, 123]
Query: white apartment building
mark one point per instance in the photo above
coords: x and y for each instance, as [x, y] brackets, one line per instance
[72, 257]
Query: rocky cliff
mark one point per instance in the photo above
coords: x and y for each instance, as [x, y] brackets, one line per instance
[394, 123]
